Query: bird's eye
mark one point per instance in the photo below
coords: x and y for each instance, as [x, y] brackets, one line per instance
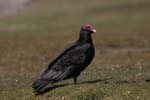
[89, 26]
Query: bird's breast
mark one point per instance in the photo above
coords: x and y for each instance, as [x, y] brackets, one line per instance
[89, 57]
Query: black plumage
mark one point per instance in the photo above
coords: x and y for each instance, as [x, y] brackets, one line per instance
[70, 63]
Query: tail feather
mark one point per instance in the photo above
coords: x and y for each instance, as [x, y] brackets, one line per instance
[39, 85]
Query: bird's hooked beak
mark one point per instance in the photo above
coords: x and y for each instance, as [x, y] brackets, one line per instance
[94, 31]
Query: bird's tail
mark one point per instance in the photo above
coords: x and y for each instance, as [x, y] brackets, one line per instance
[51, 77]
[39, 85]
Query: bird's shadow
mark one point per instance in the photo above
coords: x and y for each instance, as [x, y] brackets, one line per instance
[86, 82]
[66, 84]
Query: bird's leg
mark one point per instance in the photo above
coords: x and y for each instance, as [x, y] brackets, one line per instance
[75, 80]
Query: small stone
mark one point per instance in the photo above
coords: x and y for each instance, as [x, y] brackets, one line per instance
[128, 92]
[84, 72]
[117, 66]
[139, 74]
[138, 97]
[112, 68]
[140, 67]
[16, 80]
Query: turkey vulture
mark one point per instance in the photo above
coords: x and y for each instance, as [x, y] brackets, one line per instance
[70, 63]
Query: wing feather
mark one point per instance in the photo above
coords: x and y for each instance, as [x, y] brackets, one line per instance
[74, 57]
[63, 66]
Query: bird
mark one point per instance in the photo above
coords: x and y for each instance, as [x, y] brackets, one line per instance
[70, 63]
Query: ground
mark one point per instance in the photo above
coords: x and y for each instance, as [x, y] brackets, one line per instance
[119, 71]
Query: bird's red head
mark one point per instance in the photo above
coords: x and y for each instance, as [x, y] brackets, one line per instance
[89, 28]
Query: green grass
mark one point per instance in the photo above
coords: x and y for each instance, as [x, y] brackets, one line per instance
[93, 92]
[30, 40]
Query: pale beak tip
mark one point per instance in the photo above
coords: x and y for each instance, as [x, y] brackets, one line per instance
[94, 30]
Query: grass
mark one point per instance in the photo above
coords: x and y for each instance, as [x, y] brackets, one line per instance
[30, 40]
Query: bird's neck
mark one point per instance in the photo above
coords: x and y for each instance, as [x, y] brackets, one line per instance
[85, 38]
